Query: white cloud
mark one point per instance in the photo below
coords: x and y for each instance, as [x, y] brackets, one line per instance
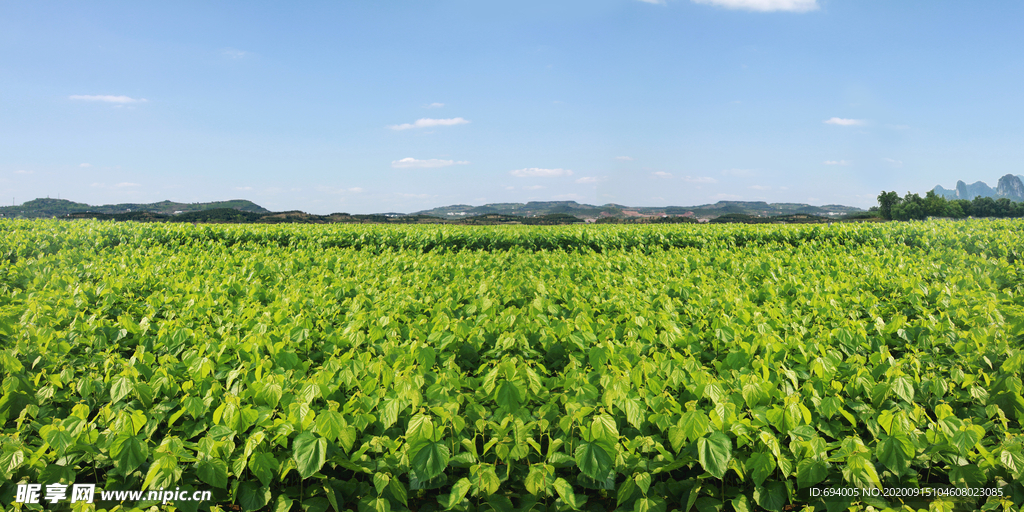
[429, 123]
[656, 2]
[699, 179]
[534, 187]
[434, 105]
[837, 162]
[727, 197]
[893, 162]
[844, 122]
[107, 99]
[763, 5]
[356, 189]
[243, 189]
[233, 53]
[85, 165]
[509, 187]
[624, 158]
[536, 172]
[125, 184]
[760, 187]
[662, 174]
[23, 171]
[407, 163]
[591, 179]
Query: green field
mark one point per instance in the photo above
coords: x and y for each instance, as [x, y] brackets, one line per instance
[598, 368]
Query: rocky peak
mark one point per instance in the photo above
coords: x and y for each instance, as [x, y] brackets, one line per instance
[1011, 187]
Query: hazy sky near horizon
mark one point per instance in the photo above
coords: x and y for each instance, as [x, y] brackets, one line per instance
[366, 107]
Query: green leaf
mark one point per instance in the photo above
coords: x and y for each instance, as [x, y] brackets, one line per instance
[810, 471]
[425, 356]
[760, 465]
[603, 428]
[264, 465]
[540, 479]
[625, 492]
[484, 479]
[428, 458]
[904, 388]
[829, 406]
[694, 424]
[741, 504]
[129, 451]
[677, 437]
[283, 503]
[895, 452]
[380, 505]
[214, 472]
[860, 472]
[715, 452]
[643, 481]
[120, 387]
[252, 497]
[329, 424]
[564, 490]
[644, 505]
[753, 395]
[772, 496]
[708, 504]
[421, 426]
[389, 412]
[596, 459]
[380, 482]
[60, 440]
[398, 491]
[507, 396]
[967, 476]
[458, 493]
[163, 473]
[309, 453]
[633, 408]
[1013, 461]
[321, 504]
[968, 436]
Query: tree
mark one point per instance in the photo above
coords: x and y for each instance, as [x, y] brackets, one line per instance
[886, 200]
[983, 207]
[934, 205]
[953, 210]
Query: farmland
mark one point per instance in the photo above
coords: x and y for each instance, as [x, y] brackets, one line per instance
[385, 368]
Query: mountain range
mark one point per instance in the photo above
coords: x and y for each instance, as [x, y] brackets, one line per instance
[49, 208]
[536, 208]
[46, 208]
[1009, 186]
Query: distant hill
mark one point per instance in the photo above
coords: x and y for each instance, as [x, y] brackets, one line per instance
[536, 212]
[537, 208]
[1009, 186]
[47, 208]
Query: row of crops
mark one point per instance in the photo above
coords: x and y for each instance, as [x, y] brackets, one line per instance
[985, 236]
[597, 368]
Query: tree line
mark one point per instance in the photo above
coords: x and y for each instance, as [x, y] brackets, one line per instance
[912, 206]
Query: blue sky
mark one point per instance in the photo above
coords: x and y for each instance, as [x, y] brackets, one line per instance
[368, 107]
